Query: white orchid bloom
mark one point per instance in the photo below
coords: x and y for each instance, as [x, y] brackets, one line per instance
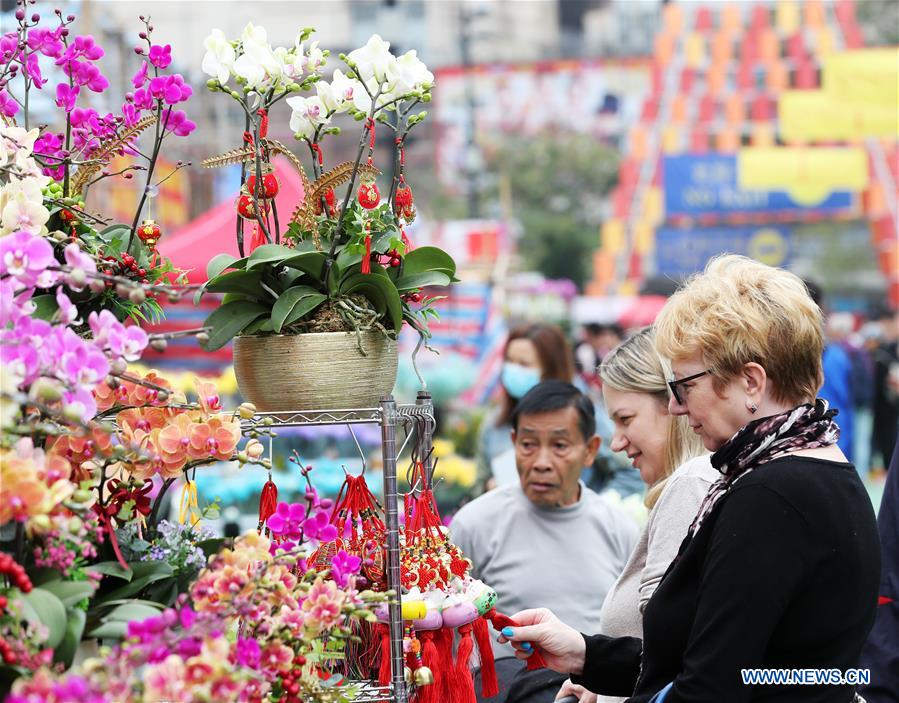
[373, 60]
[307, 114]
[257, 65]
[292, 63]
[329, 98]
[22, 213]
[411, 75]
[345, 88]
[218, 61]
[315, 58]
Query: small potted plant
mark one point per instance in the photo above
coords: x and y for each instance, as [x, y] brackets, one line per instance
[315, 309]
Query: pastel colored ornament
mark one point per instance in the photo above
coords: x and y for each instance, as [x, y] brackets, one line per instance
[458, 611]
[483, 597]
[433, 620]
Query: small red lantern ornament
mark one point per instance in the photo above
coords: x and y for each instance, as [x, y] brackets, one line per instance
[405, 204]
[67, 216]
[149, 233]
[368, 195]
[246, 208]
[330, 202]
[270, 184]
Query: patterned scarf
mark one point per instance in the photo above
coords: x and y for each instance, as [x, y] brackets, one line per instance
[804, 427]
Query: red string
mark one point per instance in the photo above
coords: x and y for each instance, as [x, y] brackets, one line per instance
[318, 151]
[263, 123]
[489, 682]
[248, 138]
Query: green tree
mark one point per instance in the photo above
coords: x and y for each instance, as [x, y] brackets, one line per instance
[558, 184]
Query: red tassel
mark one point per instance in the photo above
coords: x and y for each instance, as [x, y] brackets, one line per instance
[499, 621]
[268, 503]
[464, 690]
[406, 240]
[431, 692]
[366, 259]
[385, 670]
[489, 683]
[443, 640]
[257, 240]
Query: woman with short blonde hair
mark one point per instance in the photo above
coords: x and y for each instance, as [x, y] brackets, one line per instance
[780, 567]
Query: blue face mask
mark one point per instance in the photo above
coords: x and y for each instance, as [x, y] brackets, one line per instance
[518, 379]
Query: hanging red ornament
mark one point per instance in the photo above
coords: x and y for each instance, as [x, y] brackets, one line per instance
[405, 204]
[67, 216]
[366, 257]
[330, 202]
[246, 208]
[368, 195]
[149, 233]
[270, 184]
[268, 502]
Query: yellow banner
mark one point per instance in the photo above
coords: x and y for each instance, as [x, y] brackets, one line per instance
[807, 174]
[864, 77]
[814, 115]
[860, 99]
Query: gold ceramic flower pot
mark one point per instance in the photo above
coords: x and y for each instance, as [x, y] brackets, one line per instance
[314, 371]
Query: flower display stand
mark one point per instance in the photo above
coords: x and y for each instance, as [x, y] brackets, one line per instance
[417, 419]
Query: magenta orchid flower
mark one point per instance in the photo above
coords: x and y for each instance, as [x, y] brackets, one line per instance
[161, 56]
[179, 125]
[66, 96]
[171, 89]
[8, 106]
[68, 313]
[24, 256]
[46, 41]
[141, 76]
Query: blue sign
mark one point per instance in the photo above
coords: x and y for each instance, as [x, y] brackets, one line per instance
[707, 185]
[680, 252]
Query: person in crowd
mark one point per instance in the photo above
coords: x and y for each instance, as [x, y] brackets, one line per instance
[547, 537]
[881, 653]
[781, 565]
[837, 388]
[672, 463]
[534, 352]
[886, 386]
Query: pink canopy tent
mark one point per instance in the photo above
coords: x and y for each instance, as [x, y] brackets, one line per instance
[192, 246]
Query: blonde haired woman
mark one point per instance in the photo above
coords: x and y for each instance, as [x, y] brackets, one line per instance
[780, 567]
[673, 464]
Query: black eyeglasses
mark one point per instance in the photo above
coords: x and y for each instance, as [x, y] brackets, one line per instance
[675, 382]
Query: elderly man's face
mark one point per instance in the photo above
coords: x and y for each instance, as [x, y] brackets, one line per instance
[550, 453]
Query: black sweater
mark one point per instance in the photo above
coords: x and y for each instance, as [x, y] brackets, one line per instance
[782, 574]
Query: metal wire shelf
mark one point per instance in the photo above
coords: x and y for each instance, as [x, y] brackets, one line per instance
[389, 416]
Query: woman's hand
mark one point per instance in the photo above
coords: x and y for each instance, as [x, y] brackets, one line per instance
[572, 689]
[563, 648]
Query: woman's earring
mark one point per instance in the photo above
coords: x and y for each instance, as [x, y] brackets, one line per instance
[753, 407]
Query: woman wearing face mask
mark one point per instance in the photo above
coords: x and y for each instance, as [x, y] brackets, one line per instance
[672, 463]
[534, 352]
[779, 571]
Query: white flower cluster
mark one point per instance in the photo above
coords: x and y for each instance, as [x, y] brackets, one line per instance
[376, 73]
[21, 198]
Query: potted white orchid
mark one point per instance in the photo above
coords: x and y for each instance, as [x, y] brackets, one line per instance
[334, 289]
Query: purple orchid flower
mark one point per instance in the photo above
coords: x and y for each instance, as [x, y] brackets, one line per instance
[179, 125]
[24, 256]
[8, 106]
[66, 96]
[141, 76]
[161, 56]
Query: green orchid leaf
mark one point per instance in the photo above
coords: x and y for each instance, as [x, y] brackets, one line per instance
[45, 307]
[114, 630]
[70, 592]
[111, 568]
[50, 612]
[229, 320]
[272, 254]
[420, 280]
[65, 652]
[422, 259]
[244, 282]
[293, 304]
[218, 263]
[381, 292]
